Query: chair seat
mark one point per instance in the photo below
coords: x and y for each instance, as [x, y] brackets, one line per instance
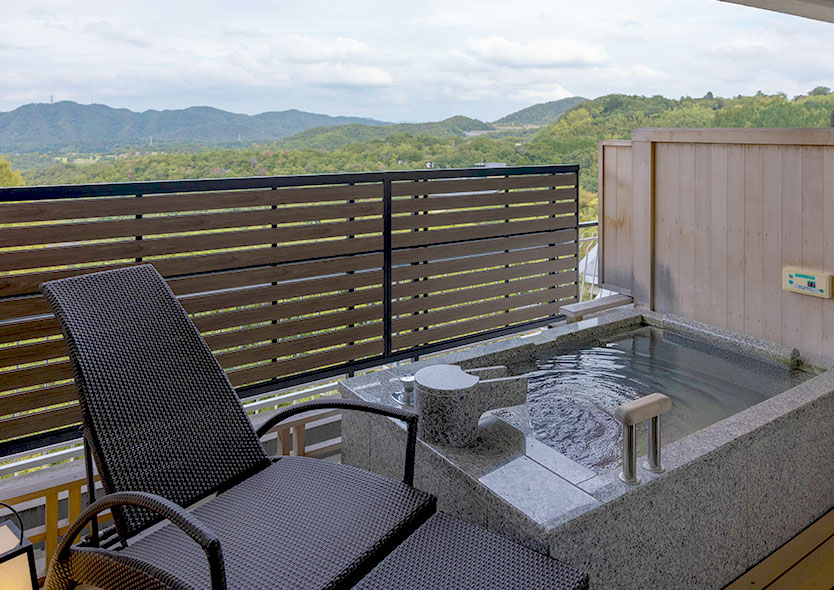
[300, 523]
[448, 553]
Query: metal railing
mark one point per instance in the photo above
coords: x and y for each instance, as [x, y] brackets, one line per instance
[648, 408]
[589, 260]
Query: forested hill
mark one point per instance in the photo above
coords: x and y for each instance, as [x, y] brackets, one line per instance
[541, 114]
[572, 139]
[329, 138]
[97, 127]
[575, 136]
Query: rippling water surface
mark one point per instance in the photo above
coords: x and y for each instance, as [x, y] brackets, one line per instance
[572, 397]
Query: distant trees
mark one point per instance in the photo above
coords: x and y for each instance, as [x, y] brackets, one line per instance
[8, 175]
[573, 139]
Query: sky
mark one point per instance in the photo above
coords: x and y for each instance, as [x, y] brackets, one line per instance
[421, 60]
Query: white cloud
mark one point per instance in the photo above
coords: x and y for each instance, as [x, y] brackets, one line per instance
[535, 93]
[117, 33]
[539, 53]
[341, 74]
[424, 60]
[303, 49]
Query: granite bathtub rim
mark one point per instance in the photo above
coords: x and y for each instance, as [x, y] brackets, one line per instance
[702, 445]
[518, 350]
[695, 451]
[698, 446]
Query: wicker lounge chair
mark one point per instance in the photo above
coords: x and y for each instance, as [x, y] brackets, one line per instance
[167, 430]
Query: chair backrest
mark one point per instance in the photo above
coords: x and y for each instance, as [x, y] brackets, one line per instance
[158, 410]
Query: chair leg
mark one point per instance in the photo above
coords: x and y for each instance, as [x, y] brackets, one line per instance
[91, 491]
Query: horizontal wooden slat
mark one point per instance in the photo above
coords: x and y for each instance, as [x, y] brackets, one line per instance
[146, 226]
[51, 349]
[37, 305]
[12, 403]
[440, 219]
[305, 363]
[418, 304]
[22, 212]
[420, 271]
[463, 185]
[39, 421]
[39, 328]
[240, 297]
[425, 238]
[461, 312]
[444, 251]
[284, 272]
[264, 352]
[32, 376]
[87, 253]
[24, 307]
[267, 313]
[29, 328]
[28, 282]
[444, 202]
[31, 353]
[294, 327]
[457, 281]
[450, 331]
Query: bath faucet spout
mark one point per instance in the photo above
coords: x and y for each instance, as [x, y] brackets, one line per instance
[450, 401]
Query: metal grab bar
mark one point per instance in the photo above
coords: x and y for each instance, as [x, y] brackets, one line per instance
[631, 414]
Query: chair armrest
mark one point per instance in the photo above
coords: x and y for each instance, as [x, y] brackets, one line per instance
[172, 512]
[407, 416]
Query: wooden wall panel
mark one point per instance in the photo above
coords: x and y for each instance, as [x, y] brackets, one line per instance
[718, 236]
[753, 239]
[812, 232]
[735, 237]
[667, 276]
[617, 214]
[828, 247]
[624, 215]
[686, 230]
[729, 209]
[701, 235]
[791, 312]
[771, 242]
[615, 274]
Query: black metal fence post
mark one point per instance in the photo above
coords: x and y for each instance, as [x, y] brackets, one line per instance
[387, 287]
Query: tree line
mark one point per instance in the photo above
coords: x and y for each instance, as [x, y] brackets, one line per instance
[573, 139]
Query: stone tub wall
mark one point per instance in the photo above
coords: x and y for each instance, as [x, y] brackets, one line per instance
[732, 492]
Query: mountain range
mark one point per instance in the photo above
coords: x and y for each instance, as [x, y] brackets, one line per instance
[454, 143]
[98, 127]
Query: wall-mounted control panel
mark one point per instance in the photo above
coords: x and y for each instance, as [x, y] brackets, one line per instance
[807, 282]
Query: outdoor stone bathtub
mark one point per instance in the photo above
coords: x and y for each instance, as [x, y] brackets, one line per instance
[731, 494]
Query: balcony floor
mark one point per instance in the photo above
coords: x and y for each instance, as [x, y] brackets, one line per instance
[806, 561]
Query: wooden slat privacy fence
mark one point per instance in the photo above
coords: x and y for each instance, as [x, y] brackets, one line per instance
[700, 223]
[289, 278]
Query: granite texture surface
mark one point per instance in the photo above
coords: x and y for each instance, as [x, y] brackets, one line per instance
[450, 401]
[793, 454]
[667, 533]
[732, 492]
[735, 340]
